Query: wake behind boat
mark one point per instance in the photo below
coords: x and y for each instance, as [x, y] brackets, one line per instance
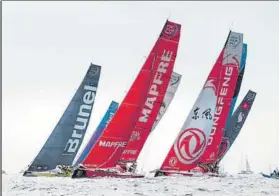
[115, 172]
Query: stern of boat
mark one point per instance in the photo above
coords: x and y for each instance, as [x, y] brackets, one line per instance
[79, 173]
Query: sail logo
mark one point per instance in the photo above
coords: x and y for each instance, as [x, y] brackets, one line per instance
[239, 123]
[245, 105]
[154, 88]
[171, 30]
[240, 117]
[220, 101]
[175, 78]
[94, 70]
[234, 40]
[81, 120]
[135, 136]
[113, 106]
[190, 145]
[173, 161]
[131, 152]
[210, 85]
[109, 119]
[250, 96]
[112, 144]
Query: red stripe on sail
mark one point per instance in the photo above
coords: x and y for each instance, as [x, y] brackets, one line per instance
[190, 144]
[167, 50]
[229, 74]
[111, 144]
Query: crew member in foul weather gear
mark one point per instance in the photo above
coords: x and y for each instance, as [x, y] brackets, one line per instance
[133, 167]
[123, 166]
[274, 173]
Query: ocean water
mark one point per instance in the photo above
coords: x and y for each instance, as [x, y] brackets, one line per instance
[236, 185]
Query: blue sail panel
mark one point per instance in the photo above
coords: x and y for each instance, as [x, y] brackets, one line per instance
[101, 127]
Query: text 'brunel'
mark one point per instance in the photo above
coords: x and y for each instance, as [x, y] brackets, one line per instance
[82, 120]
[157, 81]
[220, 102]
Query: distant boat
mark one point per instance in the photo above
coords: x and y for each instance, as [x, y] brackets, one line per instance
[270, 176]
[274, 174]
[247, 168]
[65, 140]
[4, 172]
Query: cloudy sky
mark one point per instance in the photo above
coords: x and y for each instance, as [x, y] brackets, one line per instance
[48, 46]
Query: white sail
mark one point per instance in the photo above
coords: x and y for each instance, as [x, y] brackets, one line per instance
[171, 90]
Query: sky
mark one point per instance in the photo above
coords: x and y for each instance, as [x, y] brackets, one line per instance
[48, 46]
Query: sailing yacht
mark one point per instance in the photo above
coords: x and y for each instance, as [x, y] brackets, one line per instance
[247, 168]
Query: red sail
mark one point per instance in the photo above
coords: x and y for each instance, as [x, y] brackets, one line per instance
[111, 144]
[230, 68]
[190, 143]
[167, 50]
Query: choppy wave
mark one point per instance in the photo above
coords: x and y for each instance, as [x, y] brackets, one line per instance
[237, 185]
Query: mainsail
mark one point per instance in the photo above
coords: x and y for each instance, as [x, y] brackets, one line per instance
[192, 139]
[101, 127]
[141, 102]
[65, 140]
[231, 62]
[236, 123]
[139, 136]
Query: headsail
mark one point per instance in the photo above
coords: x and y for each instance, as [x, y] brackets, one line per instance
[65, 140]
[101, 127]
[231, 63]
[149, 85]
[139, 136]
[173, 85]
[236, 123]
[192, 139]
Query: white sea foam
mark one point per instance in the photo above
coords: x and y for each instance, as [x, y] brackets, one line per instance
[237, 185]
